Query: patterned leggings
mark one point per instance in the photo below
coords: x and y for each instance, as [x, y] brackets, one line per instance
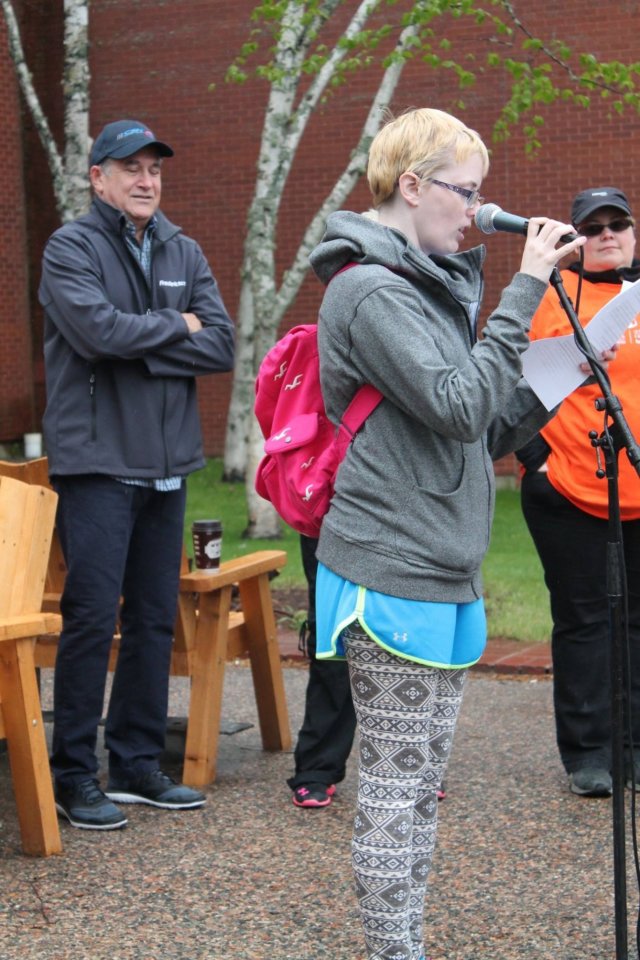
[406, 716]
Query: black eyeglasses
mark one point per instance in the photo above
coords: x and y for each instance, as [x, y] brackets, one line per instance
[595, 229]
[471, 196]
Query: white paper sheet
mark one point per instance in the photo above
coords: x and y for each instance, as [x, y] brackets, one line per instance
[551, 366]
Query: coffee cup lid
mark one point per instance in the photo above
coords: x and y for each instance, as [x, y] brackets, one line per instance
[207, 524]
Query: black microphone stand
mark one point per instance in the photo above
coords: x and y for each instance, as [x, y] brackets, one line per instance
[611, 442]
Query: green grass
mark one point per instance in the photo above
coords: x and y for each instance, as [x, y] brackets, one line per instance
[516, 597]
[208, 498]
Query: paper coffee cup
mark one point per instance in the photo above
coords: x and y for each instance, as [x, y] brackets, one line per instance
[32, 446]
[207, 543]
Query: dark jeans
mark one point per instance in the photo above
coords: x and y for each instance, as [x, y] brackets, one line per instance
[118, 541]
[572, 546]
[326, 736]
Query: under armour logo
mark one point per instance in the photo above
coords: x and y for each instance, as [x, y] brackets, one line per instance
[307, 463]
[308, 493]
[297, 380]
[400, 637]
[280, 375]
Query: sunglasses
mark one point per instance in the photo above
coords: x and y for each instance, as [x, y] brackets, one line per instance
[595, 229]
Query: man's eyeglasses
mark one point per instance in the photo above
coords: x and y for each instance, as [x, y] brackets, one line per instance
[595, 229]
[471, 196]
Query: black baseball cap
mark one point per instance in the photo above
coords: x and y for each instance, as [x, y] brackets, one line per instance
[588, 201]
[122, 138]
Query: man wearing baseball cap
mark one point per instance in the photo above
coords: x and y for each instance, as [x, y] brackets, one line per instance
[122, 139]
[566, 508]
[132, 316]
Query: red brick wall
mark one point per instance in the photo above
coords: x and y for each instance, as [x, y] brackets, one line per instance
[16, 390]
[156, 62]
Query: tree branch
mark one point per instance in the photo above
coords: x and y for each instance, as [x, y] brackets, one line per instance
[548, 52]
[294, 277]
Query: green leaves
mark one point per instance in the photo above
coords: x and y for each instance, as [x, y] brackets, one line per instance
[452, 35]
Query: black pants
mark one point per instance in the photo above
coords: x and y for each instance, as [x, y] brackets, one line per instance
[328, 728]
[118, 540]
[572, 546]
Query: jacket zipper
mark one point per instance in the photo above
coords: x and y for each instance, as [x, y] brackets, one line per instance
[150, 288]
[92, 395]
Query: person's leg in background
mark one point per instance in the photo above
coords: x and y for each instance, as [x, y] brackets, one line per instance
[326, 735]
[94, 520]
[137, 717]
[572, 546]
[136, 721]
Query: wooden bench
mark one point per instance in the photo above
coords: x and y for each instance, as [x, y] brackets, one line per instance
[27, 516]
[208, 633]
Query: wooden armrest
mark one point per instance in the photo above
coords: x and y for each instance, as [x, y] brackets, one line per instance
[233, 571]
[29, 625]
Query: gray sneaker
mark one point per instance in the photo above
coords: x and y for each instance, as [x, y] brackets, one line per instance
[591, 782]
[155, 788]
[85, 806]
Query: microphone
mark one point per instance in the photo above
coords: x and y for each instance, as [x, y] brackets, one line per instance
[490, 218]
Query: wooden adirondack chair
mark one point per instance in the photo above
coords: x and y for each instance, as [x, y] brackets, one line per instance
[27, 516]
[208, 633]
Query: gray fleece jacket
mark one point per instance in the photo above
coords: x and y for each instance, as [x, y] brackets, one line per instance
[413, 507]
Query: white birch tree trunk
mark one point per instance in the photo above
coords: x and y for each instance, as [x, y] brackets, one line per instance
[68, 174]
[262, 303]
[243, 391]
[76, 105]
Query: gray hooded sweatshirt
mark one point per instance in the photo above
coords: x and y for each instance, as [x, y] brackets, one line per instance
[413, 506]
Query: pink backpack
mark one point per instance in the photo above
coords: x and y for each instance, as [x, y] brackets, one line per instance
[303, 449]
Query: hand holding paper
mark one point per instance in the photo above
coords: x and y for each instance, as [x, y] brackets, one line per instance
[551, 366]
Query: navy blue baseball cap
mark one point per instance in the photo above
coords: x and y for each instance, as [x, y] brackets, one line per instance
[122, 138]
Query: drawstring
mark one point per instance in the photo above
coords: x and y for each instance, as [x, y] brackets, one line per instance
[303, 638]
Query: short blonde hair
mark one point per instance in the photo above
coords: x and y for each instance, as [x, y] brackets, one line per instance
[419, 141]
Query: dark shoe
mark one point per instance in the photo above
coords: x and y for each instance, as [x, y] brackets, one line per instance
[591, 782]
[85, 806]
[630, 779]
[157, 789]
[313, 795]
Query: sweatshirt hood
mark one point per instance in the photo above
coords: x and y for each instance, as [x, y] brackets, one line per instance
[354, 238]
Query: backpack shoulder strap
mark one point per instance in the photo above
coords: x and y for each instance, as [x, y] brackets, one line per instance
[367, 398]
[363, 404]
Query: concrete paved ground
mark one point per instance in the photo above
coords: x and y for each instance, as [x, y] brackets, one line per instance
[523, 869]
